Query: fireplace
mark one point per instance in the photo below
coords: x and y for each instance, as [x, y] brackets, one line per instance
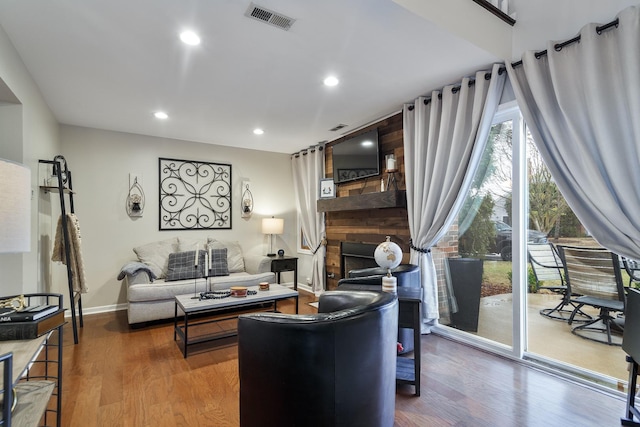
[354, 256]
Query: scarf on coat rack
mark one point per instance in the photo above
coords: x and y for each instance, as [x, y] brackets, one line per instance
[75, 251]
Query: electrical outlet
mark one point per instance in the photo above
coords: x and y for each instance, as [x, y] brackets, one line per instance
[308, 280]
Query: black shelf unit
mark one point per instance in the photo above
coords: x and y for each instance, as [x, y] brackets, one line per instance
[32, 369]
[65, 187]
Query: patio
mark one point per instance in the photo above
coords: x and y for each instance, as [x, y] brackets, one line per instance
[549, 338]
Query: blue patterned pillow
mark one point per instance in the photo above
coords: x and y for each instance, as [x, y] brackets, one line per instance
[182, 265]
[218, 263]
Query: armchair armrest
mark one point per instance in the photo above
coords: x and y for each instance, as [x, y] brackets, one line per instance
[254, 264]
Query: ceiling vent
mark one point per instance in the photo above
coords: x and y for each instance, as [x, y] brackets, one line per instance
[269, 17]
[337, 128]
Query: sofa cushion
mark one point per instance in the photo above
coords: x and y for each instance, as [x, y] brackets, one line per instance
[218, 262]
[182, 265]
[235, 260]
[156, 255]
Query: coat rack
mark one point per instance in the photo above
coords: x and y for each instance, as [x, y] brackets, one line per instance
[64, 186]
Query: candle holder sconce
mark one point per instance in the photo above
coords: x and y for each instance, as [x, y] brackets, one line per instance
[135, 198]
[246, 200]
[391, 168]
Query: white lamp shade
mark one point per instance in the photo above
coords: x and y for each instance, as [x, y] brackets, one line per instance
[272, 225]
[15, 207]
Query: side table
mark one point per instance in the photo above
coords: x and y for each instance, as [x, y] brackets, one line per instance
[409, 302]
[285, 263]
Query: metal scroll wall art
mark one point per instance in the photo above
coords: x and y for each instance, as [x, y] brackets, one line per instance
[194, 195]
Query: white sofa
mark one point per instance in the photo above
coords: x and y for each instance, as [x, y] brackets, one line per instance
[150, 300]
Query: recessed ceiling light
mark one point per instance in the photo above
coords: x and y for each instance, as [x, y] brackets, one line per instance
[190, 38]
[258, 131]
[161, 115]
[331, 81]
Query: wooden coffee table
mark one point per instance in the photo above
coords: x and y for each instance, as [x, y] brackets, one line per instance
[191, 306]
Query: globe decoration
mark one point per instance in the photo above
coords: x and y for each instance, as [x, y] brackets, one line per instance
[388, 255]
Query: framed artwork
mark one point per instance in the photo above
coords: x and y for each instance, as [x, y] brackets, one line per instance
[327, 188]
[194, 195]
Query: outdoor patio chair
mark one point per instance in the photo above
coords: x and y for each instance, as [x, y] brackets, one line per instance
[593, 278]
[548, 271]
[632, 267]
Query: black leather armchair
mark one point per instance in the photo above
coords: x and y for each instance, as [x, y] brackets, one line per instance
[371, 279]
[334, 368]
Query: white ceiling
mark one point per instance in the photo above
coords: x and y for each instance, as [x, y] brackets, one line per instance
[109, 64]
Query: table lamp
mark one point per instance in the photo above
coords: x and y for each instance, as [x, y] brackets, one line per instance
[15, 207]
[272, 226]
[388, 255]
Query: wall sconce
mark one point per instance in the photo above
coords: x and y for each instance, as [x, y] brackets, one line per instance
[247, 200]
[135, 198]
[272, 226]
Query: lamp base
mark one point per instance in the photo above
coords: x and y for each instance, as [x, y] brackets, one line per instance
[271, 255]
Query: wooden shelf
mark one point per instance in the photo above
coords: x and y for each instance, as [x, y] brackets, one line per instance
[381, 200]
[33, 398]
[50, 189]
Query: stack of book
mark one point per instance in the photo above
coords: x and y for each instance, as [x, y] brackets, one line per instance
[30, 322]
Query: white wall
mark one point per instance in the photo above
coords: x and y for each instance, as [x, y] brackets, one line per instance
[541, 21]
[34, 136]
[101, 161]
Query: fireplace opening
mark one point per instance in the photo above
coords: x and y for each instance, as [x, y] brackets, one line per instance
[354, 256]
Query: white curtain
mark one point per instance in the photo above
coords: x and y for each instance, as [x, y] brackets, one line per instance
[308, 169]
[582, 105]
[444, 138]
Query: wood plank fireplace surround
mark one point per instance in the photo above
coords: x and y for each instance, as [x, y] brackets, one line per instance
[360, 213]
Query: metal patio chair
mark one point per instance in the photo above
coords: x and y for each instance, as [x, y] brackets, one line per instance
[593, 278]
[548, 271]
[632, 267]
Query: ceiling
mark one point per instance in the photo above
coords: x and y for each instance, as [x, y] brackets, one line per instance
[109, 64]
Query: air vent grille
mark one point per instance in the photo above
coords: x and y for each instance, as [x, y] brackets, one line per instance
[337, 128]
[270, 17]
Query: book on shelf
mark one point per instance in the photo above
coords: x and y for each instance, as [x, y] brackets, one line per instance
[27, 314]
[31, 329]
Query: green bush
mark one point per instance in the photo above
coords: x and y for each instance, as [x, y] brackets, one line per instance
[532, 287]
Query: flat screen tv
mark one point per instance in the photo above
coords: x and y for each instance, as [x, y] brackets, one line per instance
[356, 157]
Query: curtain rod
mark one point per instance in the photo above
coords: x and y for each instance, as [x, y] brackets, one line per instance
[455, 89]
[558, 46]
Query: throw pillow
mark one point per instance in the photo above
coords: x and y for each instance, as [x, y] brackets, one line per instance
[182, 266]
[156, 255]
[235, 260]
[218, 262]
[186, 244]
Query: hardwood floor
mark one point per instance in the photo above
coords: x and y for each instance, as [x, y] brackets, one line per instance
[117, 376]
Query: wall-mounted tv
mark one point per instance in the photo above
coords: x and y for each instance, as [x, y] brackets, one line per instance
[356, 157]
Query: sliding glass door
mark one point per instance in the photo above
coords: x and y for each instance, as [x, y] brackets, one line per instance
[513, 205]
[485, 244]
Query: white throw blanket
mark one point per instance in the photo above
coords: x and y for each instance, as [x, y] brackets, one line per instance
[75, 251]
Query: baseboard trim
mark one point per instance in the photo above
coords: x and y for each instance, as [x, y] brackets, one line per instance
[101, 309]
[117, 307]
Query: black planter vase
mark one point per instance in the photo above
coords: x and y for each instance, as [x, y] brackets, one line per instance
[466, 280]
